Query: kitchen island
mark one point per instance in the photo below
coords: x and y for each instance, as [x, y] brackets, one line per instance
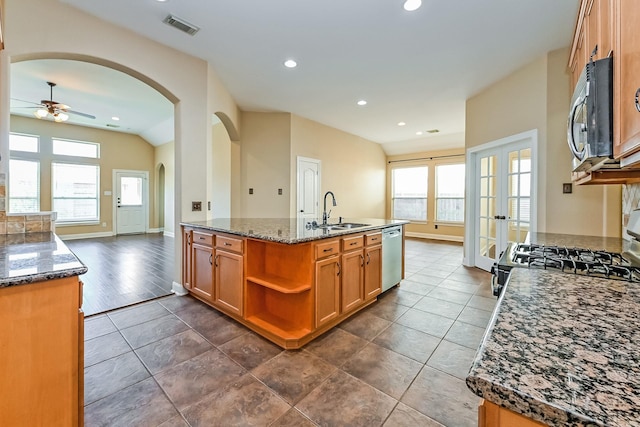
[41, 339]
[283, 278]
[563, 350]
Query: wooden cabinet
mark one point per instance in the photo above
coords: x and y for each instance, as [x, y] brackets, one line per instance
[42, 342]
[288, 293]
[372, 271]
[492, 415]
[627, 81]
[229, 273]
[215, 269]
[202, 273]
[327, 283]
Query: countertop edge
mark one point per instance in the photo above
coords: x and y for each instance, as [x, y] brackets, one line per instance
[41, 277]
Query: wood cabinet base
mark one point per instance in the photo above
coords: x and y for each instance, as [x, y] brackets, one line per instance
[492, 415]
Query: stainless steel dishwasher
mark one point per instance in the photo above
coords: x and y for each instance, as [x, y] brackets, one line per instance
[391, 257]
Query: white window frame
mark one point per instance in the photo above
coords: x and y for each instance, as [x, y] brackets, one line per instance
[426, 197]
[90, 221]
[436, 198]
[95, 144]
[11, 197]
[36, 137]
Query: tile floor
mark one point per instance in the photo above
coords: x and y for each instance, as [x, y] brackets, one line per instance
[401, 362]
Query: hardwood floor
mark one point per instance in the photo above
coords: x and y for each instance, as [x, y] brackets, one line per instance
[124, 270]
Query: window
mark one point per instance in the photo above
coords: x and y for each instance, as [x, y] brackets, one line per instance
[409, 193]
[450, 193]
[24, 186]
[26, 143]
[75, 192]
[76, 148]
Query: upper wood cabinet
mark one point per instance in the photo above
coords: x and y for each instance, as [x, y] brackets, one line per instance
[627, 82]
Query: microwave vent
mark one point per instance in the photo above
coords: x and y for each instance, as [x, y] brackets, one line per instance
[181, 24]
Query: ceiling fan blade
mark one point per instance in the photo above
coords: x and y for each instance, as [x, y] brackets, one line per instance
[77, 113]
[26, 102]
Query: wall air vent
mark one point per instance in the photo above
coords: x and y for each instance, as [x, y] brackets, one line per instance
[181, 24]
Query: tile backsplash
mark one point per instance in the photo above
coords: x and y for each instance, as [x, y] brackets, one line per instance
[22, 223]
[630, 201]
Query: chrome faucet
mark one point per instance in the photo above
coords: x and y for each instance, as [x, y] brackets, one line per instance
[325, 215]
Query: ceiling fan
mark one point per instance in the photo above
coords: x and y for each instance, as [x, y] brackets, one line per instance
[59, 112]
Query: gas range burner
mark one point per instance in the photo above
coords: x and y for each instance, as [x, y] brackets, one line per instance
[576, 260]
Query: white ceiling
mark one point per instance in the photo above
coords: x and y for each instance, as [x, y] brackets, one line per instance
[416, 67]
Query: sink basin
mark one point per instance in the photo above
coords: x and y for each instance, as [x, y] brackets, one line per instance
[350, 225]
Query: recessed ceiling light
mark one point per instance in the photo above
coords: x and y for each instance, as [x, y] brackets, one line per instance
[411, 5]
[419, 132]
[401, 123]
[114, 117]
[161, 1]
[290, 63]
[362, 102]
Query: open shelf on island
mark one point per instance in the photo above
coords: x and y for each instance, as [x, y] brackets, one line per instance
[280, 284]
[279, 326]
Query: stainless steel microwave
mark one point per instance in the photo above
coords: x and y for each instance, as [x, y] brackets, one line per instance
[590, 124]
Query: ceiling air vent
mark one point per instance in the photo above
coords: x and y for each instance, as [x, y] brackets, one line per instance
[181, 24]
[111, 125]
[433, 131]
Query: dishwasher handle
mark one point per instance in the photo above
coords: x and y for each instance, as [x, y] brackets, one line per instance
[391, 233]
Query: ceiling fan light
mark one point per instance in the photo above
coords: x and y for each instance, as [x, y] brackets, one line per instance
[41, 113]
[61, 117]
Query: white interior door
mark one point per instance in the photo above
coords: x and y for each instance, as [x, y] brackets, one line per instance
[503, 202]
[308, 188]
[131, 202]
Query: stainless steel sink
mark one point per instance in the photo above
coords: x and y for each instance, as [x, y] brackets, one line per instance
[350, 225]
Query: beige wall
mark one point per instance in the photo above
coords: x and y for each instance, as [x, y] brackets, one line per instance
[352, 167]
[430, 229]
[185, 80]
[117, 151]
[537, 97]
[265, 154]
[220, 195]
[165, 197]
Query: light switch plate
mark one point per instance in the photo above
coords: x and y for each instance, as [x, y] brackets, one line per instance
[567, 188]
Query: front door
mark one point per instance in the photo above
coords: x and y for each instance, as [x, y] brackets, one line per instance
[503, 202]
[131, 202]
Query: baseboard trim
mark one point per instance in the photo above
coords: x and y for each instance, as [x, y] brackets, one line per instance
[434, 236]
[178, 289]
[154, 230]
[168, 234]
[85, 235]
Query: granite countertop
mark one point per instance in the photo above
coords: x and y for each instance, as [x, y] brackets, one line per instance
[563, 349]
[286, 230]
[35, 257]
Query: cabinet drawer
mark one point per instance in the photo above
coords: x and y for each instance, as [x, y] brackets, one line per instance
[229, 243]
[373, 238]
[326, 249]
[349, 243]
[203, 238]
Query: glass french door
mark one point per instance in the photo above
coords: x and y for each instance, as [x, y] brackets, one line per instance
[503, 180]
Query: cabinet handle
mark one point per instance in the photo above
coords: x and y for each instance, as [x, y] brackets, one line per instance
[328, 250]
[353, 243]
[227, 244]
[339, 268]
[189, 239]
[361, 260]
[368, 258]
[638, 101]
[210, 256]
[201, 238]
[215, 260]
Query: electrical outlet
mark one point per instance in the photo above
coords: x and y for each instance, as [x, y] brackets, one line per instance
[208, 206]
[251, 191]
[279, 191]
[196, 206]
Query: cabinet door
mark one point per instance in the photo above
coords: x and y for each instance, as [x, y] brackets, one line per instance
[352, 280]
[202, 271]
[627, 77]
[229, 282]
[372, 271]
[327, 290]
[186, 258]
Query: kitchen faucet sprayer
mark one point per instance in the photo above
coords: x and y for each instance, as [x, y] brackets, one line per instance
[325, 215]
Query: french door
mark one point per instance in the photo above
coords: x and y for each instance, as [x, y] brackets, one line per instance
[131, 201]
[504, 199]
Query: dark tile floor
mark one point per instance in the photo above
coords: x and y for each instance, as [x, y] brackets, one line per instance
[402, 362]
[124, 270]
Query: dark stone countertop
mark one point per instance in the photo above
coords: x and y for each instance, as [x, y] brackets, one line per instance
[610, 244]
[286, 230]
[35, 257]
[563, 349]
